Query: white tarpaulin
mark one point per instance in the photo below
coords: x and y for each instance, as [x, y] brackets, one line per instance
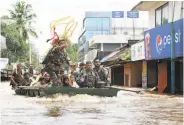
[92, 55]
[3, 42]
[3, 63]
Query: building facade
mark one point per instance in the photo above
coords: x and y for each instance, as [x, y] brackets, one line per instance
[164, 44]
[114, 23]
[94, 23]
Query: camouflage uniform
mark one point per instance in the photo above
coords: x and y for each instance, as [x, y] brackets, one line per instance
[80, 74]
[90, 79]
[102, 73]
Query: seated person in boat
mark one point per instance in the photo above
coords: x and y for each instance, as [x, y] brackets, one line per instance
[43, 72]
[42, 82]
[81, 72]
[17, 76]
[102, 72]
[72, 82]
[31, 70]
[47, 78]
[90, 78]
[66, 82]
[26, 81]
[72, 69]
[62, 74]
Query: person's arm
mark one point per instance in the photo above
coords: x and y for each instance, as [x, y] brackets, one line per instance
[52, 37]
[49, 39]
[12, 77]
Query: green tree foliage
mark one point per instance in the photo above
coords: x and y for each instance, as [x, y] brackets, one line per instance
[22, 15]
[17, 27]
[73, 52]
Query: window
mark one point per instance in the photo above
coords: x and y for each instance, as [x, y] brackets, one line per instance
[97, 23]
[158, 17]
[162, 15]
[90, 34]
[165, 14]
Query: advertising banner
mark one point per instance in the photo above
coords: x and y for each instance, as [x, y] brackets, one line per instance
[144, 75]
[3, 63]
[158, 41]
[137, 51]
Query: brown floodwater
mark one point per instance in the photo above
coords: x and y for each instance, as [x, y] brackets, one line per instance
[128, 108]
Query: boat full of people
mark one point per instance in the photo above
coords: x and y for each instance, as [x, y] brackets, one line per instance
[54, 79]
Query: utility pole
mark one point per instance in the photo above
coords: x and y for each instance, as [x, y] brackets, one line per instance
[114, 30]
[173, 52]
[30, 53]
[133, 29]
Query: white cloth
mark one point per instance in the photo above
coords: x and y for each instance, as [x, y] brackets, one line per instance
[75, 85]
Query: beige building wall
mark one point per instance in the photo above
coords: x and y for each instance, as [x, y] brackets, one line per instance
[133, 74]
[127, 74]
[136, 73]
[178, 13]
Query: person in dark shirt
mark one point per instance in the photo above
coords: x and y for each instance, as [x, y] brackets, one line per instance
[17, 76]
[66, 82]
[27, 80]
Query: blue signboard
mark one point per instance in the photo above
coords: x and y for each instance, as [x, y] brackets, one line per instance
[158, 41]
[117, 14]
[132, 14]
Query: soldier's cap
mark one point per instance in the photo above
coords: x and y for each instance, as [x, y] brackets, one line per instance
[42, 70]
[88, 62]
[82, 64]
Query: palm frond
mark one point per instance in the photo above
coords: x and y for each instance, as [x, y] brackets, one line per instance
[33, 33]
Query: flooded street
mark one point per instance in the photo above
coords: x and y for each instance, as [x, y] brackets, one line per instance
[127, 108]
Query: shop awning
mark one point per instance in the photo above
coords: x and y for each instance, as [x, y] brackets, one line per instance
[109, 56]
[123, 54]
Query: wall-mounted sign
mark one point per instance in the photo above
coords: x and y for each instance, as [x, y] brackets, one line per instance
[117, 14]
[158, 41]
[132, 14]
[137, 51]
[144, 75]
[3, 62]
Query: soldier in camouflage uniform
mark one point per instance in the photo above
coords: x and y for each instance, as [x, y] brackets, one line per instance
[56, 58]
[90, 78]
[102, 72]
[81, 72]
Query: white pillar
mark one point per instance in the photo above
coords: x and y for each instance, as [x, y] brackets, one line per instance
[30, 53]
[101, 47]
